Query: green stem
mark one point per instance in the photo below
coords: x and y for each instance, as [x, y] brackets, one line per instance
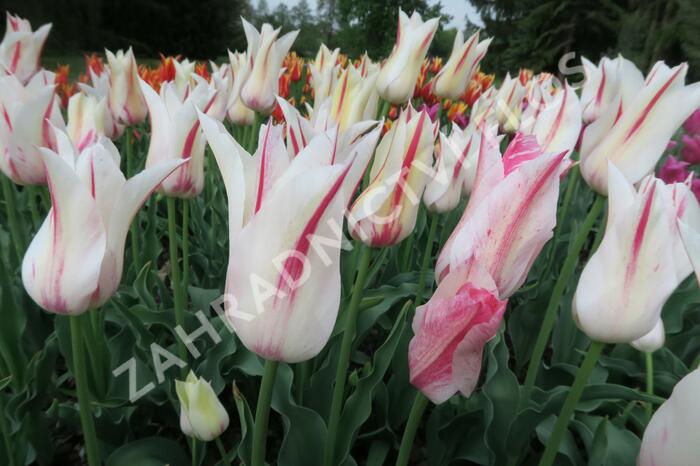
[562, 212]
[567, 270]
[344, 357]
[427, 255]
[262, 413]
[9, 450]
[409, 433]
[133, 228]
[384, 109]
[16, 229]
[185, 250]
[175, 282]
[10, 341]
[303, 369]
[222, 452]
[79, 373]
[33, 210]
[648, 408]
[567, 411]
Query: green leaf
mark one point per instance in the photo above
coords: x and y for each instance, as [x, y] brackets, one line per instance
[149, 451]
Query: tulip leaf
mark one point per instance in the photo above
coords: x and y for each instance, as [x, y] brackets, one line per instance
[150, 451]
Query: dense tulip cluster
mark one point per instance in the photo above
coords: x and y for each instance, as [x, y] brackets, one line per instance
[391, 147]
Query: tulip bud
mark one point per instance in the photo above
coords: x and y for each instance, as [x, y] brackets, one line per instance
[76, 258]
[671, 438]
[28, 114]
[633, 137]
[452, 80]
[285, 221]
[451, 329]
[385, 213]
[202, 415]
[653, 340]
[20, 49]
[399, 73]
[639, 262]
[508, 104]
[511, 212]
[221, 85]
[265, 55]
[238, 113]
[86, 119]
[176, 135]
[324, 73]
[555, 119]
[126, 99]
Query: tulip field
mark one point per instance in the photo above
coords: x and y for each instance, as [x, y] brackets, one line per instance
[336, 261]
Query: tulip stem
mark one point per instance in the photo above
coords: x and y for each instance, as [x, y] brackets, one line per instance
[222, 452]
[427, 255]
[31, 201]
[567, 270]
[133, 228]
[185, 249]
[175, 282]
[262, 413]
[16, 231]
[648, 408]
[409, 433]
[570, 403]
[80, 376]
[344, 356]
[384, 109]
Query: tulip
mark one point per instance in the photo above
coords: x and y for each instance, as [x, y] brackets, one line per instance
[28, 113]
[670, 438]
[202, 415]
[385, 213]
[674, 170]
[184, 74]
[75, 261]
[511, 213]
[238, 113]
[176, 135]
[455, 169]
[691, 149]
[353, 98]
[126, 101]
[554, 119]
[366, 66]
[283, 275]
[691, 242]
[639, 262]
[265, 55]
[20, 49]
[484, 110]
[399, 74]
[653, 340]
[324, 73]
[610, 84]
[221, 83]
[452, 80]
[86, 119]
[508, 104]
[692, 124]
[100, 90]
[634, 137]
[445, 354]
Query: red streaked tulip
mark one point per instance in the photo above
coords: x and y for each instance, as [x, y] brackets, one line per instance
[238, 113]
[20, 49]
[202, 415]
[451, 329]
[354, 98]
[555, 119]
[483, 112]
[671, 437]
[640, 261]
[508, 103]
[26, 115]
[452, 80]
[75, 261]
[633, 137]
[222, 84]
[86, 119]
[653, 340]
[126, 100]
[175, 135]
[511, 213]
[184, 74]
[385, 212]
[265, 55]
[100, 90]
[324, 73]
[399, 73]
[455, 169]
[607, 83]
[283, 273]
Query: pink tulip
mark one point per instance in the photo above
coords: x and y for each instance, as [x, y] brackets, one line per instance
[75, 261]
[691, 149]
[26, 116]
[511, 212]
[674, 170]
[451, 330]
[20, 49]
[285, 232]
[692, 124]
